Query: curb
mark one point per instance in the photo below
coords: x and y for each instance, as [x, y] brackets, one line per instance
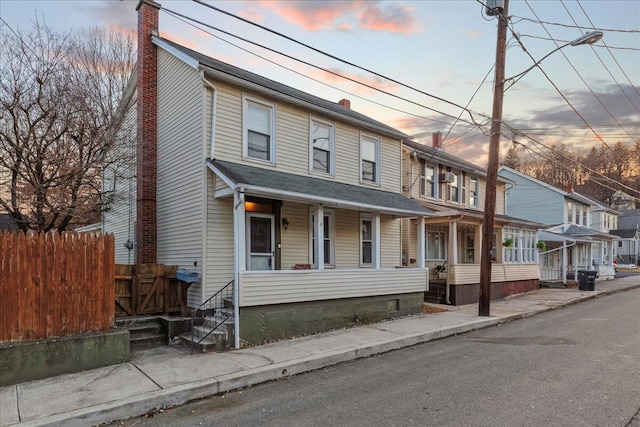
[180, 394]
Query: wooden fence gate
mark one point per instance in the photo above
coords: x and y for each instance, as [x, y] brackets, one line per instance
[146, 289]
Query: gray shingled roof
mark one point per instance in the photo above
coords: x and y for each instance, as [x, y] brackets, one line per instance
[629, 219]
[307, 188]
[288, 91]
[429, 152]
[625, 234]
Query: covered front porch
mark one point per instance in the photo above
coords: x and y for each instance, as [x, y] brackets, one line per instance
[306, 249]
[452, 252]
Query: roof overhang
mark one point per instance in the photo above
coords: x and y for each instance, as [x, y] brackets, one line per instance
[264, 182]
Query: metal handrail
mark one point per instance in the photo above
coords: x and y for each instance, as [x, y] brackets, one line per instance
[208, 309]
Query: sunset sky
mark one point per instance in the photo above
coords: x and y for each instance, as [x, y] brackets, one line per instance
[441, 48]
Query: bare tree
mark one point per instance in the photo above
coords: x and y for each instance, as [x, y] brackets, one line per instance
[59, 95]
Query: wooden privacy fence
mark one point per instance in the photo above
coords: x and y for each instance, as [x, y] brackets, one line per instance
[55, 284]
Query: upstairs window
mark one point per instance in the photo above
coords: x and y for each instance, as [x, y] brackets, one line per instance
[454, 187]
[427, 180]
[322, 146]
[369, 155]
[569, 212]
[473, 192]
[259, 130]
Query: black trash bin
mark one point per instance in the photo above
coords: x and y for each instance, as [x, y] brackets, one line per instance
[587, 280]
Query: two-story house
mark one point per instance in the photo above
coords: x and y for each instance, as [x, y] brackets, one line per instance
[455, 189]
[628, 247]
[293, 201]
[573, 242]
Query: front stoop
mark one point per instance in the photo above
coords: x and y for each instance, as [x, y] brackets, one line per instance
[220, 340]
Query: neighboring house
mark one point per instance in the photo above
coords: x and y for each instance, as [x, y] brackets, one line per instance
[7, 223]
[455, 189]
[628, 250]
[623, 201]
[573, 242]
[294, 200]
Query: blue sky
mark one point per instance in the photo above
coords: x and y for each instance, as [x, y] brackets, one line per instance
[443, 48]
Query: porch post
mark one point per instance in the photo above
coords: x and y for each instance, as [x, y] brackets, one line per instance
[318, 231]
[376, 239]
[420, 242]
[564, 264]
[575, 262]
[239, 259]
[453, 242]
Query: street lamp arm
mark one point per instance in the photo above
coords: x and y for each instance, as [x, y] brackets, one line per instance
[587, 38]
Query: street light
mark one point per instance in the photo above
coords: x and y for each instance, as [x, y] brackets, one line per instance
[494, 148]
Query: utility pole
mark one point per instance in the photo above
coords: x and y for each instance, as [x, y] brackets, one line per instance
[492, 168]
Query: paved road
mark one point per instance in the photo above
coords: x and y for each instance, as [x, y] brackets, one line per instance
[578, 366]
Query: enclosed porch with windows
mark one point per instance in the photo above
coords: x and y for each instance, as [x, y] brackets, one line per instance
[452, 253]
[312, 254]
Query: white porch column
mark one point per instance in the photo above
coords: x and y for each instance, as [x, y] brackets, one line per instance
[576, 257]
[318, 232]
[375, 219]
[453, 242]
[420, 230]
[240, 257]
[563, 263]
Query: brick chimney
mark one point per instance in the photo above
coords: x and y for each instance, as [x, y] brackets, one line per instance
[569, 187]
[146, 148]
[436, 137]
[345, 103]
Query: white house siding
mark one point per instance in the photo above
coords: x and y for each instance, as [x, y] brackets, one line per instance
[181, 167]
[390, 243]
[295, 239]
[120, 219]
[279, 287]
[465, 274]
[219, 246]
[292, 141]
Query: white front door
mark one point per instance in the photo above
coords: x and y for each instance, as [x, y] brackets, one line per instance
[260, 241]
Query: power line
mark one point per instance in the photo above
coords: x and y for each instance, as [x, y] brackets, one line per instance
[607, 30]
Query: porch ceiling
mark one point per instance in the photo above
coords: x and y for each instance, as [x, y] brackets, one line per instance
[269, 183]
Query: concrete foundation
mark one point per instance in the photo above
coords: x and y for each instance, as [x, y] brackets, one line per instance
[275, 322]
[20, 362]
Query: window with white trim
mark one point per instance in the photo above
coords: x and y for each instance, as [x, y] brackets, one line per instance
[369, 159]
[436, 246]
[427, 180]
[329, 231]
[454, 189]
[569, 212]
[523, 250]
[366, 240]
[321, 146]
[474, 195]
[258, 129]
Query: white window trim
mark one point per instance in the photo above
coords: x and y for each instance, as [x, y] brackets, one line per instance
[376, 170]
[375, 230]
[332, 147]
[459, 200]
[445, 245]
[332, 236]
[423, 180]
[246, 100]
[476, 191]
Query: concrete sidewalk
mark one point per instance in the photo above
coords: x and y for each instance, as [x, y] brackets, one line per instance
[169, 376]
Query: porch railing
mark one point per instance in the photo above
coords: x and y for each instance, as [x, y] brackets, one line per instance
[212, 314]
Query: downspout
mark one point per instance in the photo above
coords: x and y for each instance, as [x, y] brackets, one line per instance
[239, 201]
[214, 103]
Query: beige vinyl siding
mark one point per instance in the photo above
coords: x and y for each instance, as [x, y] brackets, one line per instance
[295, 239]
[279, 287]
[347, 239]
[500, 199]
[292, 141]
[181, 164]
[390, 249]
[464, 274]
[219, 246]
[120, 218]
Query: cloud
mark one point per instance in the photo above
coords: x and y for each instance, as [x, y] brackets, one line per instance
[393, 17]
[313, 15]
[118, 13]
[474, 34]
[252, 15]
[373, 81]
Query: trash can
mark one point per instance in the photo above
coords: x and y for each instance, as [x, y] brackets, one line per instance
[587, 280]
